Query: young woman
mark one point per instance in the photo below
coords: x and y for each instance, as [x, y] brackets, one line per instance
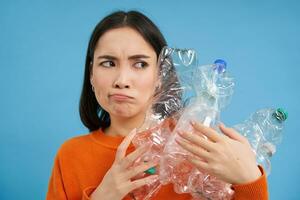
[120, 79]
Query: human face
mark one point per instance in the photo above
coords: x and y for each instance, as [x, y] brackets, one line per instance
[124, 73]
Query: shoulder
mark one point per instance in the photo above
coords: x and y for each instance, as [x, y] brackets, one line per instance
[75, 145]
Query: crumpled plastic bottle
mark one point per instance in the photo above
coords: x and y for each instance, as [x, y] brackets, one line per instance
[263, 130]
[202, 186]
[159, 120]
[199, 93]
[213, 87]
[155, 138]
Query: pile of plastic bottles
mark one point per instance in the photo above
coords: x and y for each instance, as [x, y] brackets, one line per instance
[199, 93]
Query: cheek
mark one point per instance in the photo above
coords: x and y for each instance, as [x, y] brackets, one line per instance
[102, 84]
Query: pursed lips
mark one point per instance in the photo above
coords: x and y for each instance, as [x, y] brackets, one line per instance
[118, 96]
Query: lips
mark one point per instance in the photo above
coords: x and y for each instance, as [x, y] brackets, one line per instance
[120, 97]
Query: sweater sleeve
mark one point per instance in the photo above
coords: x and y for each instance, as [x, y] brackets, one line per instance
[256, 189]
[87, 192]
[56, 188]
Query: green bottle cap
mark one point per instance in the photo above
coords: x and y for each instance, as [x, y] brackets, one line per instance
[280, 114]
[152, 170]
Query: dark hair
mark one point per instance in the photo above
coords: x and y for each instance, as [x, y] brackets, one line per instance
[91, 113]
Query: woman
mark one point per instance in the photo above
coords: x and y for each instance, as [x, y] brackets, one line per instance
[119, 82]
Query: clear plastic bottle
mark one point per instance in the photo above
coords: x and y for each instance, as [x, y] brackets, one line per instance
[216, 82]
[264, 131]
[174, 64]
[183, 63]
[217, 89]
[213, 87]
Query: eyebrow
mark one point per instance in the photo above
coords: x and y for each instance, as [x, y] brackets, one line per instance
[133, 57]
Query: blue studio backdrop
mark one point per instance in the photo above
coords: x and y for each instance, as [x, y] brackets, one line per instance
[42, 52]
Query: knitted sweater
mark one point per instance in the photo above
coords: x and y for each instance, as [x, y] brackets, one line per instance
[82, 161]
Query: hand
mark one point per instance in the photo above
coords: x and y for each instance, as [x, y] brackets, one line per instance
[116, 183]
[228, 157]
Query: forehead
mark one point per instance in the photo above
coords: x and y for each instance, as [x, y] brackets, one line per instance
[123, 40]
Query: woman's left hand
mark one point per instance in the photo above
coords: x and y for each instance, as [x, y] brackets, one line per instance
[228, 157]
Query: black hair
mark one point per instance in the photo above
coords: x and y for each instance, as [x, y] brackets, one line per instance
[91, 113]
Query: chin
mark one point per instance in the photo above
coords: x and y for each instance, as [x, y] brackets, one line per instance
[122, 112]
[125, 111]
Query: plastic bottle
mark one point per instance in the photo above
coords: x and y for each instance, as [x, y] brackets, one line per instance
[264, 131]
[154, 132]
[213, 88]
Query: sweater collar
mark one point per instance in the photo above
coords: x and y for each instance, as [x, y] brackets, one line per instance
[107, 140]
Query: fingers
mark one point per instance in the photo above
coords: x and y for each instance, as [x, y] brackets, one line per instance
[196, 139]
[233, 134]
[194, 149]
[128, 160]
[121, 151]
[207, 131]
[138, 169]
[199, 163]
[140, 182]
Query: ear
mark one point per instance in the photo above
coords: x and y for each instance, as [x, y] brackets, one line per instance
[92, 83]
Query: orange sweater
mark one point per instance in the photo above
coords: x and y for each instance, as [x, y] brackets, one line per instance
[82, 162]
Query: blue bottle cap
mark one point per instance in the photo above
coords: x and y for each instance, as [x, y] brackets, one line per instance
[220, 65]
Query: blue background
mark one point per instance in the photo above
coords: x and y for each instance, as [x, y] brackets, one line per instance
[42, 52]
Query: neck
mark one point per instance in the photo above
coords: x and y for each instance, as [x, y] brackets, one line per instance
[123, 126]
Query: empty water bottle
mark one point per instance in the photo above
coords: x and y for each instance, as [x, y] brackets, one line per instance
[213, 87]
[264, 131]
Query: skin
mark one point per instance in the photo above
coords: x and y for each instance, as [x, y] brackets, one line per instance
[125, 63]
[228, 157]
[116, 183]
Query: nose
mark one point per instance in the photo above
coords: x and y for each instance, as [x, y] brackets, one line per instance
[122, 79]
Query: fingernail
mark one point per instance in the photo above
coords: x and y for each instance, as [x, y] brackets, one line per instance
[179, 141]
[154, 177]
[193, 123]
[180, 132]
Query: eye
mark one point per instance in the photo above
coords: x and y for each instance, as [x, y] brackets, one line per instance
[107, 63]
[141, 64]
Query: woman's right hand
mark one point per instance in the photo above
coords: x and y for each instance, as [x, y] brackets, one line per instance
[116, 183]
